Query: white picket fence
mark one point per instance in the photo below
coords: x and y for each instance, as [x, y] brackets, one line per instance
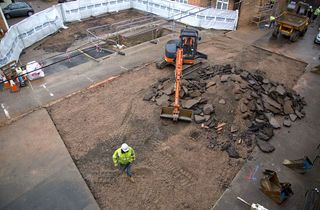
[44, 23]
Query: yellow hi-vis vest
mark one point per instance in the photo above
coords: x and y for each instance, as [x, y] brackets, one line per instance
[272, 18]
[123, 158]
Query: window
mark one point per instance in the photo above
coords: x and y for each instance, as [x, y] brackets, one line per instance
[181, 1]
[222, 4]
[20, 5]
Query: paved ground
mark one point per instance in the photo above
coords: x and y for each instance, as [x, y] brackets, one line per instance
[37, 171]
[294, 143]
[304, 49]
[37, 5]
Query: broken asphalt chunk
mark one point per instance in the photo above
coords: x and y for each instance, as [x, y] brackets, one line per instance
[199, 119]
[232, 152]
[208, 109]
[162, 100]
[287, 123]
[293, 117]
[190, 103]
[265, 146]
[274, 122]
[280, 89]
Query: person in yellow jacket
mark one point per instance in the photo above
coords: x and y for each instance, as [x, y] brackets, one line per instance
[316, 13]
[272, 21]
[123, 158]
[20, 78]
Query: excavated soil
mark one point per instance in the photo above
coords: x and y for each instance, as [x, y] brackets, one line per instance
[75, 35]
[175, 168]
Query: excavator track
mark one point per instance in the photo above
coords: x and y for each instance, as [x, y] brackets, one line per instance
[192, 68]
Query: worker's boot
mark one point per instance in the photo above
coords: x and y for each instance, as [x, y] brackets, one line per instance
[131, 179]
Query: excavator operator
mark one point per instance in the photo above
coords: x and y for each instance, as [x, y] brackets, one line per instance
[188, 46]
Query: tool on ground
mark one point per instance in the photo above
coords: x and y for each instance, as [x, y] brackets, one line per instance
[277, 191]
[179, 52]
[254, 206]
[302, 165]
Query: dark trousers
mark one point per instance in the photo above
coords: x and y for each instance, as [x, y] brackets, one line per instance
[127, 168]
[272, 23]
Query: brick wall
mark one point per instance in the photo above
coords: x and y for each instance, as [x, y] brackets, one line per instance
[211, 3]
[249, 8]
[201, 3]
[3, 24]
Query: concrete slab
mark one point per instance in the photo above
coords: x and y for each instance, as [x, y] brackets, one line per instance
[37, 171]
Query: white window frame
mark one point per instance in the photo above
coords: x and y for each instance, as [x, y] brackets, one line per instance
[222, 3]
[182, 1]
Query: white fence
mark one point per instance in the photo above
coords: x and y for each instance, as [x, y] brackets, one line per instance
[29, 31]
[44, 23]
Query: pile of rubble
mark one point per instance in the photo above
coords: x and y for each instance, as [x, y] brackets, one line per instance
[265, 104]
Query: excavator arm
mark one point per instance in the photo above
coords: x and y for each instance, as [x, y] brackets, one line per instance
[175, 112]
[179, 65]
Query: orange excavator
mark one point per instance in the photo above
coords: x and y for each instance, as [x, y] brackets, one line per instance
[179, 52]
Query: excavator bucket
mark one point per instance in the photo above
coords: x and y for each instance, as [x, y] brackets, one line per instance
[184, 114]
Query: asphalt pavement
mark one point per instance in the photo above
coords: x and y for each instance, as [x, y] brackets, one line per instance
[37, 5]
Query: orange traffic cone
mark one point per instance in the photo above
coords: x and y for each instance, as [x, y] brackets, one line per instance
[6, 85]
[14, 87]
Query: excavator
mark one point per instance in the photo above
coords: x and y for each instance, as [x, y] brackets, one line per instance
[179, 52]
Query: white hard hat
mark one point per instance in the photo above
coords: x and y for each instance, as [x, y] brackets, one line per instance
[125, 147]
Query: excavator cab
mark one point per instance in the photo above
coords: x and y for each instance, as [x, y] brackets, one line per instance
[188, 40]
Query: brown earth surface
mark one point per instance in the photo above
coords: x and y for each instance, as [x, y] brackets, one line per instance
[175, 167]
[61, 41]
[224, 50]
[172, 170]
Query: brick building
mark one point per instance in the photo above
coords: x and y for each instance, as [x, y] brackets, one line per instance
[250, 11]
[219, 4]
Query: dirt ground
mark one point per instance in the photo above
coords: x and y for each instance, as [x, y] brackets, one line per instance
[223, 50]
[75, 35]
[76, 31]
[173, 170]
[175, 167]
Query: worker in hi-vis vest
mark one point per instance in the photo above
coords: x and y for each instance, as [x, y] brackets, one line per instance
[123, 158]
[272, 21]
